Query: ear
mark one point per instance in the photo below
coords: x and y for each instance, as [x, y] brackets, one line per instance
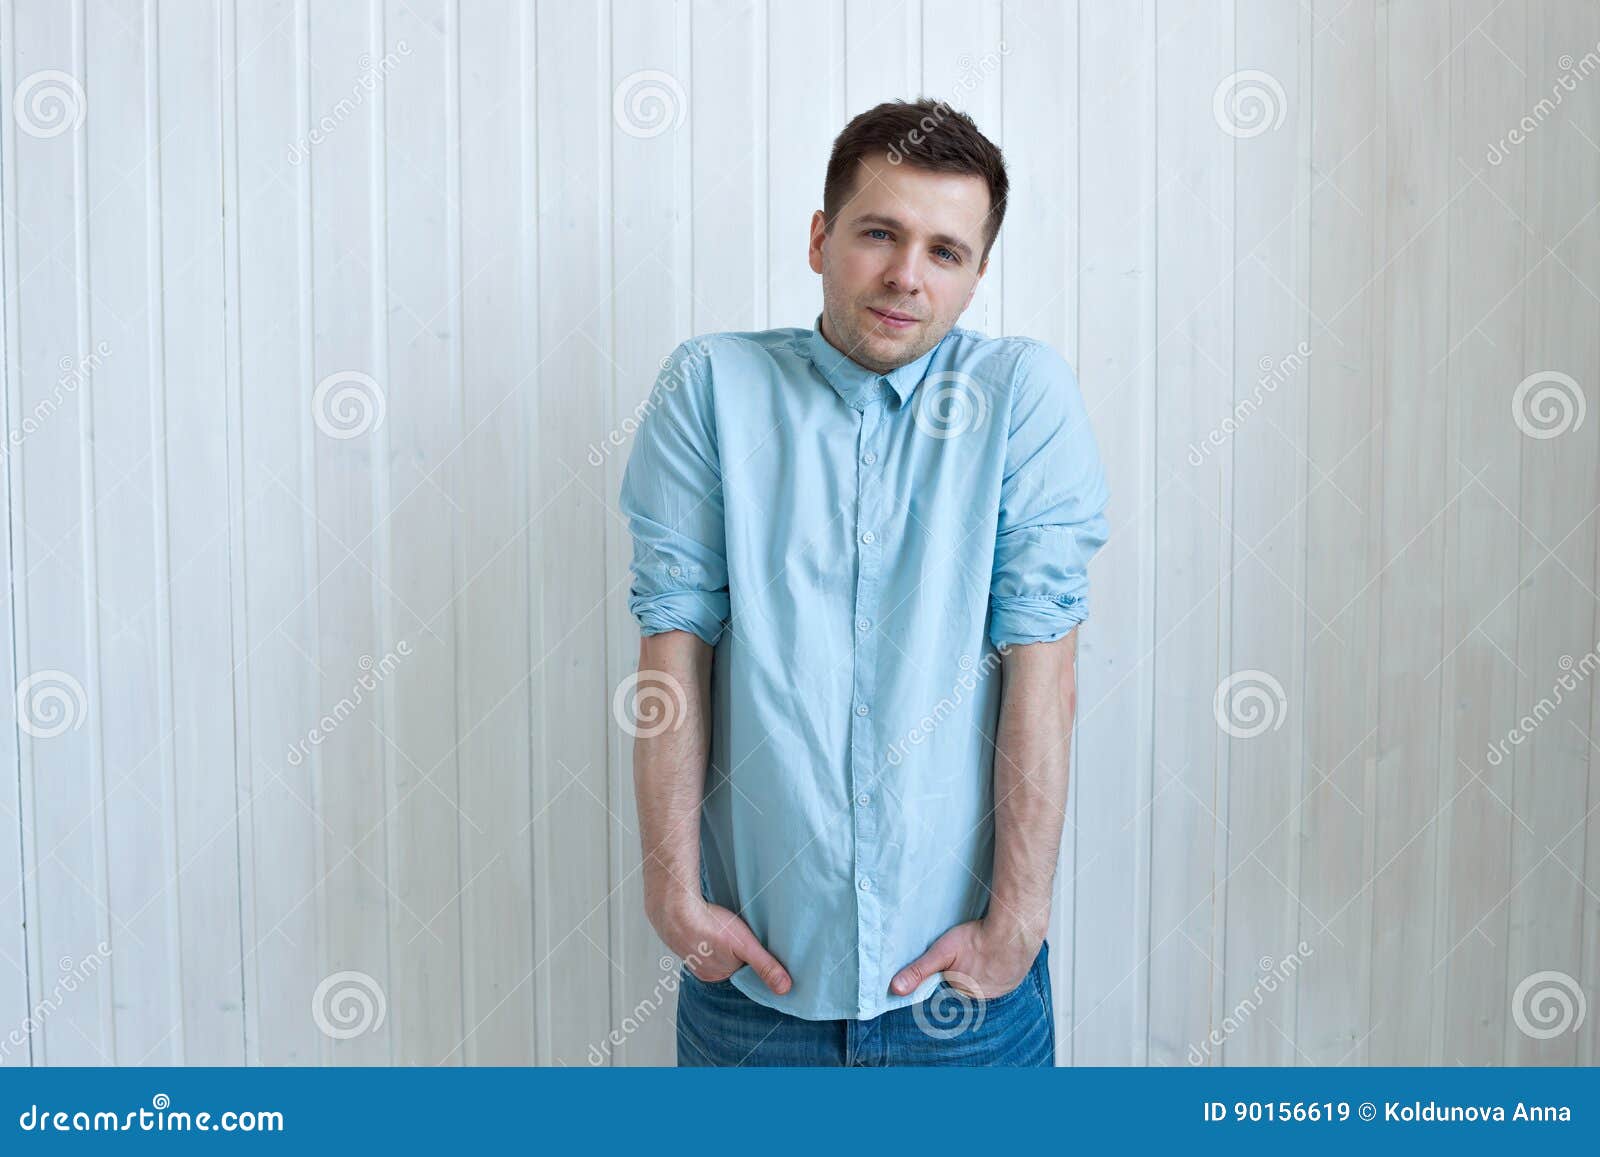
[819, 231]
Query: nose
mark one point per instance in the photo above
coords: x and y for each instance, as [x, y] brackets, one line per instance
[904, 276]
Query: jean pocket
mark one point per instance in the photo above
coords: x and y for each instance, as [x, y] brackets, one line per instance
[1022, 989]
[689, 978]
[1033, 980]
[1040, 974]
[948, 991]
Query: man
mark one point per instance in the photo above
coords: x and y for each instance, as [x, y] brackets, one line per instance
[845, 518]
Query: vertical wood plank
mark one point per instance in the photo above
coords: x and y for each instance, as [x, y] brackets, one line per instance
[348, 396]
[1343, 444]
[1487, 242]
[729, 150]
[1415, 500]
[270, 276]
[882, 54]
[1193, 593]
[129, 451]
[52, 487]
[1556, 618]
[424, 224]
[14, 996]
[573, 819]
[493, 595]
[1267, 113]
[204, 789]
[805, 53]
[1115, 305]
[15, 883]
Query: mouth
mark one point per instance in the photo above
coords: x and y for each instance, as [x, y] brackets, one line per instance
[893, 319]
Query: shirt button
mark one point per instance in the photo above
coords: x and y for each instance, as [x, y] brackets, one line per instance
[867, 537]
[863, 799]
[862, 624]
[861, 709]
[866, 884]
[869, 457]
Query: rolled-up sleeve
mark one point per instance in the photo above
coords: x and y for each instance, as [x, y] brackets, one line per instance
[1052, 502]
[672, 498]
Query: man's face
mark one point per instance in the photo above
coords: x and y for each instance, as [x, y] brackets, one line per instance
[902, 262]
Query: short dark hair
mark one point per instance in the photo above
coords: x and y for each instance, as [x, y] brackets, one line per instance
[926, 134]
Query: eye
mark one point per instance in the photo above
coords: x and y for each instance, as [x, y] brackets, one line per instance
[952, 258]
[870, 232]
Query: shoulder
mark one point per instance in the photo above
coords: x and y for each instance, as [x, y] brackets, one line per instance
[1043, 399]
[710, 352]
[1020, 371]
[1008, 359]
[1041, 367]
[707, 364]
[1045, 381]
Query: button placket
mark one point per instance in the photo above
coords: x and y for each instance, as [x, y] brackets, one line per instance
[869, 552]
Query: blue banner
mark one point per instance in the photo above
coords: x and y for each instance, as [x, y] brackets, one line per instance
[795, 1110]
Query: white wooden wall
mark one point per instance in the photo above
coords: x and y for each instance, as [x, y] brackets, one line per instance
[490, 245]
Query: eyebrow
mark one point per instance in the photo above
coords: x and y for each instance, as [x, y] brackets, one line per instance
[945, 239]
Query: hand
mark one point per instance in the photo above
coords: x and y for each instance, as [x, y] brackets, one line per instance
[990, 956]
[715, 943]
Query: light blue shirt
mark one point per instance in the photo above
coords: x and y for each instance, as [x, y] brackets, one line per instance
[855, 547]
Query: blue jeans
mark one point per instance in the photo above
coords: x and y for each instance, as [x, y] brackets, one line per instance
[720, 1026]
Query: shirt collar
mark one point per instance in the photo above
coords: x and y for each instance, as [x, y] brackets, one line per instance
[854, 382]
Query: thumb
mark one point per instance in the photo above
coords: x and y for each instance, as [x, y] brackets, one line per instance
[749, 949]
[941, 954]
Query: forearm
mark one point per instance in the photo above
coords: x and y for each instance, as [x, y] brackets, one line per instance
[669, 767]
[1032, 757]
